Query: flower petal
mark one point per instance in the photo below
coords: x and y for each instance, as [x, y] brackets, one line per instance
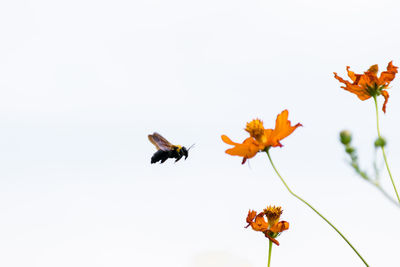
[388, 75]
[282, 129]
[227, 140]
[247, 149]
[280, 227]
[361, 93]
[351, 74]
[370, 78]
[357, 87]
[250, 217]
[386, 96]
[340, 79]
[260, 224]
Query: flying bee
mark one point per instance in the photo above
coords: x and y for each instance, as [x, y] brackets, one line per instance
[166, 150]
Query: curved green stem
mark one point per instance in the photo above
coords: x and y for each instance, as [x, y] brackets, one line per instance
[305, 202]
[269, 252]
[383, 149]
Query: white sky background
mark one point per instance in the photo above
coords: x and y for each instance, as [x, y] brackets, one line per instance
[83, 83]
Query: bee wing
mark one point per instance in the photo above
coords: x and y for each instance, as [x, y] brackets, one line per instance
[160, 142]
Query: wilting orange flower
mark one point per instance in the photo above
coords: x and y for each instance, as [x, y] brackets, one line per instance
[368, 84]
[273, 227]
[261, 138]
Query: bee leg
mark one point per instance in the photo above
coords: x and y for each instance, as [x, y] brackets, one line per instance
[164, 157]
[160, 155]
[178, 157]
[155, 157]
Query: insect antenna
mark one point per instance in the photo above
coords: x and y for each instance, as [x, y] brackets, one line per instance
[191, 147]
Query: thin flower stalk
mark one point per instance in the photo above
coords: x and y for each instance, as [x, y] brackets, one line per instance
[269, 252]
[346, 139]
[319, 214]
[369, 85]
[383, 149]
[261, 140]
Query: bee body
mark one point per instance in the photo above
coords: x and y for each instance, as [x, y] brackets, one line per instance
[165, 149]
[162, 155]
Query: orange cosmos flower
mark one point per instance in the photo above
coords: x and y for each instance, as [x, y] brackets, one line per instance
[368, 84]
[273, 227]
[261, 138]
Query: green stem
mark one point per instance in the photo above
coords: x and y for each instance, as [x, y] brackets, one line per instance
[269, 252]
[383, 149]
[305, 202]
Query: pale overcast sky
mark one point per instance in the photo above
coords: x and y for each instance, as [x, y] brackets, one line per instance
[84, 82]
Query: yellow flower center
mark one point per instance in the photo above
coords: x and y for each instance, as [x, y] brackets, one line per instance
[256, 130]
[273, 214]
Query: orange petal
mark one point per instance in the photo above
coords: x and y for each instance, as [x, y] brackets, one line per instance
[388, 75]
[340, 79]
[370, 78]
[227, 140]
[351, 74]
[250, 216]
[282, 129]
[373, 69]
[280, 227]
[247, 149]
[361, 92]
[260, 224]
[386, 96]
[358, 87]
[269, 133]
